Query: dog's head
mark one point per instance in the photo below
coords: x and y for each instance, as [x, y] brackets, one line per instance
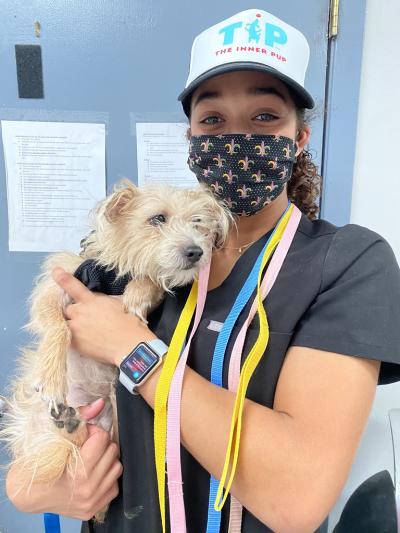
[165, 233]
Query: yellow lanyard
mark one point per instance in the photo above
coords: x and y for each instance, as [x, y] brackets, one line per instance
[162, 391]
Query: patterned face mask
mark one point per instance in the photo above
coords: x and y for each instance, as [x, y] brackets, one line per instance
[246, 171]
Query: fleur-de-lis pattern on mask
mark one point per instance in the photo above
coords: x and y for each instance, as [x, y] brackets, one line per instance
[246, 171]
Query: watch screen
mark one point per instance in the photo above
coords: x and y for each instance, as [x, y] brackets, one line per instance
[139, 363]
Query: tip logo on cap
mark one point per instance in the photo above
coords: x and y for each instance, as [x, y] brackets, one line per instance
[251, 39]
[273, 35]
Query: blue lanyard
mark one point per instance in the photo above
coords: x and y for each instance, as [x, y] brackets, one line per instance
[51, 523]
[214, 517]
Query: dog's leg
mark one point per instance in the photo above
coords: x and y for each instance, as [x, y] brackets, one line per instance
[43, 435]
[48, 322]
[141, 296]
[40, 449]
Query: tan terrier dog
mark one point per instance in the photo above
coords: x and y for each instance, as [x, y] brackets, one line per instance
[156, 237]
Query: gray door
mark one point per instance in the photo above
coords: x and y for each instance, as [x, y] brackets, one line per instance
[112, 61]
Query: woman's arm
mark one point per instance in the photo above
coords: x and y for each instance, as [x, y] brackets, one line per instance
[93, 487]
[294, 459]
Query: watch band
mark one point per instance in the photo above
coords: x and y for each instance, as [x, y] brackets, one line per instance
[160, 348]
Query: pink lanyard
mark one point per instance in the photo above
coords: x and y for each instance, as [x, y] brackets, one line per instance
[175, 483]
[235, 514]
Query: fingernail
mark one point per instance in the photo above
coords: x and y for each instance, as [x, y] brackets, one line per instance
[96, 402]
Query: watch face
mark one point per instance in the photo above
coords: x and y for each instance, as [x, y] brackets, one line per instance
[139, 363]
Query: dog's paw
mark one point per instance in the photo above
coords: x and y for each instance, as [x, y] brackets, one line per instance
[65, 417]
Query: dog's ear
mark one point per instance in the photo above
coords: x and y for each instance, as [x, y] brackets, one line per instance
[219, 214]
[121, 200]
[224, 222]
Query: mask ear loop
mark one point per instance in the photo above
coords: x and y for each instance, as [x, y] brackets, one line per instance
[299, 150]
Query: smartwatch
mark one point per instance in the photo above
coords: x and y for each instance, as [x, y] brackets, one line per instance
[140, 364]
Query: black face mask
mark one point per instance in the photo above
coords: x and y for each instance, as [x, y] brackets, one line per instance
[246, 171]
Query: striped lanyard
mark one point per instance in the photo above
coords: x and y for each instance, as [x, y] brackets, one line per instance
[176, 505]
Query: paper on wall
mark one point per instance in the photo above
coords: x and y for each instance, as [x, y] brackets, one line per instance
[162, 153]
[55, 175]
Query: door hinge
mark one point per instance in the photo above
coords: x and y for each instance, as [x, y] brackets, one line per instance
[334, 19]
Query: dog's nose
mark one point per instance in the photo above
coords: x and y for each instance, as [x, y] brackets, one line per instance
[193, 253]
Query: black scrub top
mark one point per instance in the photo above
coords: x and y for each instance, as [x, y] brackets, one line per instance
[338, 291]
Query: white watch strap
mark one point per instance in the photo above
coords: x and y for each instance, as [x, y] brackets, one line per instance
[127, 383]
[158, 346]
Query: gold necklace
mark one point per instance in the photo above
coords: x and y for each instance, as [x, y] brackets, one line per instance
[240, 248]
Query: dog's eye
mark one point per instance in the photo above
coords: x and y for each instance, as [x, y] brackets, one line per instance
[196, 220]
[157, 220]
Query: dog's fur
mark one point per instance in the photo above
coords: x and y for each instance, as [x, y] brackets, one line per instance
[42, 428]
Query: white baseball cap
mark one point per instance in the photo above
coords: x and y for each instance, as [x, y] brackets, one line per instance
[250, 40]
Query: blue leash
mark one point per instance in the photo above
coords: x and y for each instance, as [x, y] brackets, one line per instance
[51, 523]
[214, 517]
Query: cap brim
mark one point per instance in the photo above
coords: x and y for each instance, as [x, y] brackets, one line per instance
[302, 97]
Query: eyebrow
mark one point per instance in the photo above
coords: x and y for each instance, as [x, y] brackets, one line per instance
[254, 91]
[267, 90]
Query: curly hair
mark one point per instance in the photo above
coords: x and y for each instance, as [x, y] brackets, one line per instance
[305, 184]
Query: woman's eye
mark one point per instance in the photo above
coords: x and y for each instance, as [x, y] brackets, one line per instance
[157, 220]
[266, 117]
[210, 120]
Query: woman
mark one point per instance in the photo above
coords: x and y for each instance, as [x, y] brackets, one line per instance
[332, 313]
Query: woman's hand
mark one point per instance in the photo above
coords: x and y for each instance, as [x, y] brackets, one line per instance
[94, 485]
[100, 327]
